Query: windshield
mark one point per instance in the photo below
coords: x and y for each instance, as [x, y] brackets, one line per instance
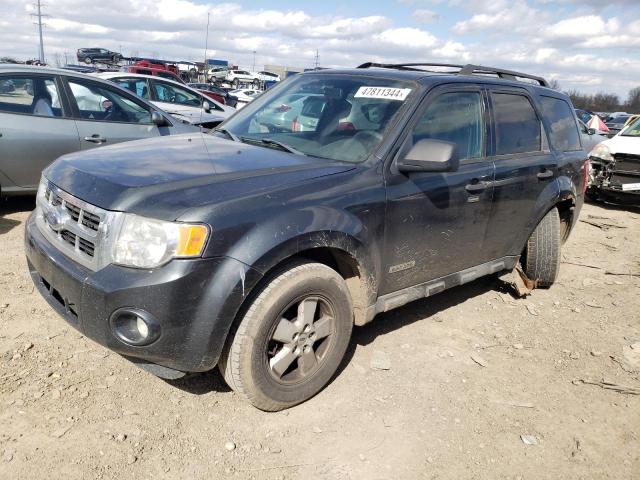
[632, 130]
[339, 117]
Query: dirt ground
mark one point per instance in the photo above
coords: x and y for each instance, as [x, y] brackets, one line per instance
[470, 372]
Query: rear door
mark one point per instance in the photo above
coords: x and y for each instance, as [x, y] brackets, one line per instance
[35, 126]
[525, 167]
[106, 115]
[436, 222]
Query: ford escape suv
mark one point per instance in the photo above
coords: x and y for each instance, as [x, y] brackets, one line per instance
[257, 250]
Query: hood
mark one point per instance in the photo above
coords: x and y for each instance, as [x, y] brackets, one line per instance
[164, 177]
[622, 144]
[194, 115]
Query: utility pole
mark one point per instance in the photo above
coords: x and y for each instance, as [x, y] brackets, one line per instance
[39, 15]
[206, 47]
[317, 63]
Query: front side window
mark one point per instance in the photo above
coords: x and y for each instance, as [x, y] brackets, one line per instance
[166, 92]
[564, 134]
[454, 117]
[518, 129]
[30, 95]
[98, 102]
[339, 117]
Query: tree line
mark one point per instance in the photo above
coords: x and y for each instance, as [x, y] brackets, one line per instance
[606, 102]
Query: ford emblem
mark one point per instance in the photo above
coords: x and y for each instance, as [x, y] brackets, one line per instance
[56, 219]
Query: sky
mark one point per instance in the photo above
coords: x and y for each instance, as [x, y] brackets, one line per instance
[588, 45]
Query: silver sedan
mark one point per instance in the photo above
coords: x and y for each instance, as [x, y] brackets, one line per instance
[46, 112]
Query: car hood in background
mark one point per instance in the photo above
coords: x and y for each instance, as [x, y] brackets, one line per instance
[163, 177]
[622, 144]
[194, 115]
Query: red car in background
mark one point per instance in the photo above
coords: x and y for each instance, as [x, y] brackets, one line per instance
[216, 93]
[154, 71]
[164, 70]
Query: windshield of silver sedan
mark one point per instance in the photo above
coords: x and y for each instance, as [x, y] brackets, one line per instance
[339, 117]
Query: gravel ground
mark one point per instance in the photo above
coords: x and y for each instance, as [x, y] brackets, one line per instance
[470, 377]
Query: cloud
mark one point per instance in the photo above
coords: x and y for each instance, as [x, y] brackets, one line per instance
[425, 16]
[579, 45]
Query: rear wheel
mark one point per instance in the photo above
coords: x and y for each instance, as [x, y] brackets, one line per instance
[236, 83]
[541, 260]
[291, 340]
[87, 60]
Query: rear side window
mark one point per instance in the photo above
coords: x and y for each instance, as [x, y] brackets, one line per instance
[564, 131]
[30, 96]
[517, 125]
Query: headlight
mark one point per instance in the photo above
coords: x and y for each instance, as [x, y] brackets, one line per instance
[147, 243]
[602, 152]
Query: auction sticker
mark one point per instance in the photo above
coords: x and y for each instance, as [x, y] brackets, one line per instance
[384, 93]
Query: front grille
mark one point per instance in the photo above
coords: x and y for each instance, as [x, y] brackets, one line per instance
[85, 246]
[74, 226]
[627, 163]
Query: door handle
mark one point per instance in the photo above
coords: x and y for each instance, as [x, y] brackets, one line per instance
[545, 174]
[95, 138]
[476, 187]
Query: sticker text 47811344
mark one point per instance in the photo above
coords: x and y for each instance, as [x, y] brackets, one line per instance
[383, 93]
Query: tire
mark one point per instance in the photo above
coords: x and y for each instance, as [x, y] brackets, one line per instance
[292, 338]
[236, 83]
[542, 253]
[256, 84]
[87, 60]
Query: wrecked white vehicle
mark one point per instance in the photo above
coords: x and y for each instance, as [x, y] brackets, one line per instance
[615, 168]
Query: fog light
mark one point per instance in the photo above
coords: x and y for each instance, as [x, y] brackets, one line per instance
[135, 327]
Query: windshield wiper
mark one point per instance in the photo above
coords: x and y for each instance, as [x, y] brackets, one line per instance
[270, 141]
[226, 132]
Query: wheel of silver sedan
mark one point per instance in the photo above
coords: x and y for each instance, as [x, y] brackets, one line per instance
[301, 339]
[292, 338]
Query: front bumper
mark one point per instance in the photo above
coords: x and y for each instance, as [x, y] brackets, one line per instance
[195, 301]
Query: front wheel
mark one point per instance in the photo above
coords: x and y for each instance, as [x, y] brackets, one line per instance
[87, 60]
[292, 338]
[541, 261]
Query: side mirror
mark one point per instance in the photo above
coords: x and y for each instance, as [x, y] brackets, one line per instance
[591, 131]
[206, 106]
[430, 156]
[158, 119]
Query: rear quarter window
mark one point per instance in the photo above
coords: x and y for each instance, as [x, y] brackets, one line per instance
[518, 129]
[564, 134]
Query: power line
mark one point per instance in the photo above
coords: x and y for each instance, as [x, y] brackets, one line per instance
[38, 6]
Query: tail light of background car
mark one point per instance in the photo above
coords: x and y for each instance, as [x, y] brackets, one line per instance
[585, 175]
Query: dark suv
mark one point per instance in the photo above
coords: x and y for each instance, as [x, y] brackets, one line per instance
[91, 55]
[258, 251]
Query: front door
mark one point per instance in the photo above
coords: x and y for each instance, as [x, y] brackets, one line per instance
[105, 115]
[436, 222]
[35, 128]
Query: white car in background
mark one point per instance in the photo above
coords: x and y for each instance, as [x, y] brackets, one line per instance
[217, 74]
[238, 77]
[179, 100]
[267, 76]
[245, 95]
[615, 167]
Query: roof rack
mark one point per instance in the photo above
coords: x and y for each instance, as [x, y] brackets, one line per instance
[468, 69]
